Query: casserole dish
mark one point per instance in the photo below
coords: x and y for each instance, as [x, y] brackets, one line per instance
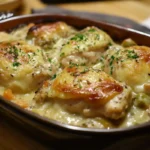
[71, 137]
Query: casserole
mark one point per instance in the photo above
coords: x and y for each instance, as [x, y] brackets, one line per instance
[53, 130]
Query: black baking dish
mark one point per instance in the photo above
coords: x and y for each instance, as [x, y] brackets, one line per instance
[62, 136]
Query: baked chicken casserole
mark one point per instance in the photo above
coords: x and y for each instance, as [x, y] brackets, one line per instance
[80, 77]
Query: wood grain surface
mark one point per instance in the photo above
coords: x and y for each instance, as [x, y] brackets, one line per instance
[12, 138]
[136, 10]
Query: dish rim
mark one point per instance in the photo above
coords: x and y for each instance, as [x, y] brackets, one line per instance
[75, 17]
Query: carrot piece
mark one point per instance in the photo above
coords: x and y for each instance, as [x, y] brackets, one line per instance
[22, 104]
[8, 94]
[45, 84]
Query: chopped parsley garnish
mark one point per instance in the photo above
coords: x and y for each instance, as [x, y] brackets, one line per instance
[79, 37]
[49, 59]
[83, 64]
[72, 65]
[117, 53]
[111, 60]
[11, 51]
[80, 86]
[16, 64]
[109, 44]
[85, 70]
[102, 59]
[39, 50]
[54, 76]
[97, 37]
[111, 70]
[15, 52]
[34, 53]
[77, 47]
[132, 54]
[29, 55]
[92, 30]
[62, 54]
[50, 69]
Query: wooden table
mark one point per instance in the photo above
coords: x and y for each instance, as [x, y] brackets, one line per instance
[12, 138]
[136, 10]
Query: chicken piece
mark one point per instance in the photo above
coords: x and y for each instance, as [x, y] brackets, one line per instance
[22, 67]
[85, 47]
[128, 43]
[17, 34]
[4, 36]
[21, 32]
[47, 35]
[131, 65]
[88, 92]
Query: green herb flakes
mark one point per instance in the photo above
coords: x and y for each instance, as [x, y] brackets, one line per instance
[50, 60]
[54, 76]
[16, 64]
[92, 30]
[62, 54]
[79, 37]
[131, 54]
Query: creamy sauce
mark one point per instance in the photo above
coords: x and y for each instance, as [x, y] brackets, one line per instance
[56, 112]
[135, 116]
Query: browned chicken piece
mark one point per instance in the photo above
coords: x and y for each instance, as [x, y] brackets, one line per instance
[22, 67]
[47, 35]
[85, 47]
[17, 34]
[88, 92]
[130, 65]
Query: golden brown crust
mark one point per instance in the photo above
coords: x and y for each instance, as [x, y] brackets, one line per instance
[130, 65]
[89, 92]
[143, 52]
[37, 30]
[96, 93]
[21, 66]
[48, 34]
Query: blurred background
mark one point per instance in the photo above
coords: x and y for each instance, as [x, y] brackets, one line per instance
[128, 13]
[137, 10]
